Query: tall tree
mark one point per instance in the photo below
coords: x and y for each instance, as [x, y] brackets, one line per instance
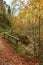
[9, 10]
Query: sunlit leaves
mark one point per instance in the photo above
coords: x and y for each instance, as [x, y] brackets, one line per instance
[2, 9]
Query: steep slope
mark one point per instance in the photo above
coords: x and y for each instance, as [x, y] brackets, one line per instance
[9, 57]
[4, 23]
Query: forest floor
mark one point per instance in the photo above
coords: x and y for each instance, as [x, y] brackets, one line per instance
[9, 57]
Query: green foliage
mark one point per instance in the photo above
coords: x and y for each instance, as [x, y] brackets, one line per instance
[2, 9]
[21, 49]
[4, 21]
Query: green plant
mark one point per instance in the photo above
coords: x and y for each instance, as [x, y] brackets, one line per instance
[21, 49]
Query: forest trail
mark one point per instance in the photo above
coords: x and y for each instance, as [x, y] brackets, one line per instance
[9, 57]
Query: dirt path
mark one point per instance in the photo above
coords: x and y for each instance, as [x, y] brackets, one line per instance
[9, 57]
